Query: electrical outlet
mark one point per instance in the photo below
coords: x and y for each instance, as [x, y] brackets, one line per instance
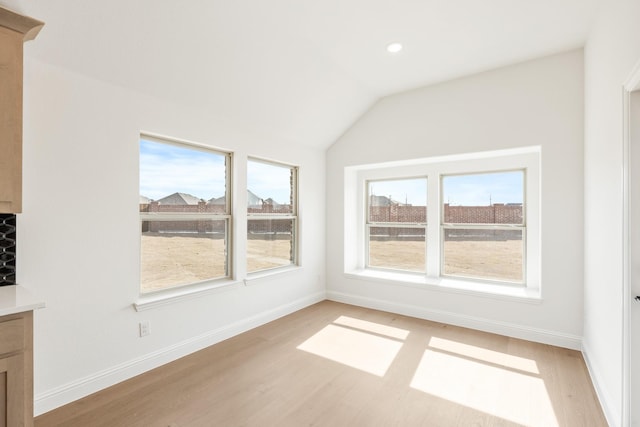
[144, 328]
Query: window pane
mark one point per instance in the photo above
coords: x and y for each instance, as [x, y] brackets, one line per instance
[176, 253]
[270, 243]
[397, 248]
[176, 178]
[484, 254]
[270, 188]
[488, 198]
[180, 180]
[402, 200]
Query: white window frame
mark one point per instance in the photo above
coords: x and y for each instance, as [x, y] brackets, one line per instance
[191, 216]
[292, 216]
[355, 217]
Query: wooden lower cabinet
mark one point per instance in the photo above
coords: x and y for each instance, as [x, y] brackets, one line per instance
[12, 392]
[16, 370]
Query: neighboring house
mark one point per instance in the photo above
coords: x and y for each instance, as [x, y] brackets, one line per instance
[216, 201]
[383, 201]
[271, 202]
[179, 199]
[252, 200]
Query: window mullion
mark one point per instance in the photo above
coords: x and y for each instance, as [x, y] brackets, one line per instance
[433, 230]
[484, 226]
[267, 216]
[398, 224]
[168, 216]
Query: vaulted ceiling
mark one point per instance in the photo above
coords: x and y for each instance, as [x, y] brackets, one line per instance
[299, 70]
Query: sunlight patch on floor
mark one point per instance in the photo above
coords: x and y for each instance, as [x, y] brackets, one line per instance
[357, 343]
[485, 355]
[373, 327]
[467, 380]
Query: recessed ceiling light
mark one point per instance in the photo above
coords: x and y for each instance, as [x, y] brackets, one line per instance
[394, 47]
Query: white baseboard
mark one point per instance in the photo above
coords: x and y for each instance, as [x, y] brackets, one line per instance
[613, 418]
[59, 396]
[559, 339]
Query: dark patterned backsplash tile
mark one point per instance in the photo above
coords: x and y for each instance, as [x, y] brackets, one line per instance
[7, 249]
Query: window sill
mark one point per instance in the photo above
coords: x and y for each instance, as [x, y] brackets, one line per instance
[169, 296]
[451, 285]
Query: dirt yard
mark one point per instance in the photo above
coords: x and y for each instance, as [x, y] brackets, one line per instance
[172, 260]
[178, 259]
[501, 260]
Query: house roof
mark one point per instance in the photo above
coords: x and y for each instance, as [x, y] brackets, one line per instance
[252, 199]
[217, 200]
[295, 71]
[383, 201]
[179, 199]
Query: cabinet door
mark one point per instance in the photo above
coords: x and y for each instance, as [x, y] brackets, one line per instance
[10, 121]
[12, 391]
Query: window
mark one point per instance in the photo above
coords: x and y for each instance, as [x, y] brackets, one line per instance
[483, 226]
[272, 215]
[396, 224]
[185, 214]
[478, 227]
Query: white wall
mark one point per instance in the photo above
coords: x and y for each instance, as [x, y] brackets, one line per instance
[534, 103]
[612, 50]
[79, 234]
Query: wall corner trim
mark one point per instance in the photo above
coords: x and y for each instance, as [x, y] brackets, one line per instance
[603, 397]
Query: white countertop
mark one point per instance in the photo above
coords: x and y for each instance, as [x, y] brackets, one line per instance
[16, 299]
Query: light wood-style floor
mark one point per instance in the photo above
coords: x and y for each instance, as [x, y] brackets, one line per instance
[338, 365]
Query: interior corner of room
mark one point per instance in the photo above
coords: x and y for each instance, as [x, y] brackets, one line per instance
[309, 116]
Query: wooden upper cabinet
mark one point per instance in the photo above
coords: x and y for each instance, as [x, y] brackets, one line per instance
[15, 29]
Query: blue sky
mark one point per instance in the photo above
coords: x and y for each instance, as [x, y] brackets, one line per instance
[166, 169]
[483, 189]
[458, 190]
[411, 191]
[268, 180]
